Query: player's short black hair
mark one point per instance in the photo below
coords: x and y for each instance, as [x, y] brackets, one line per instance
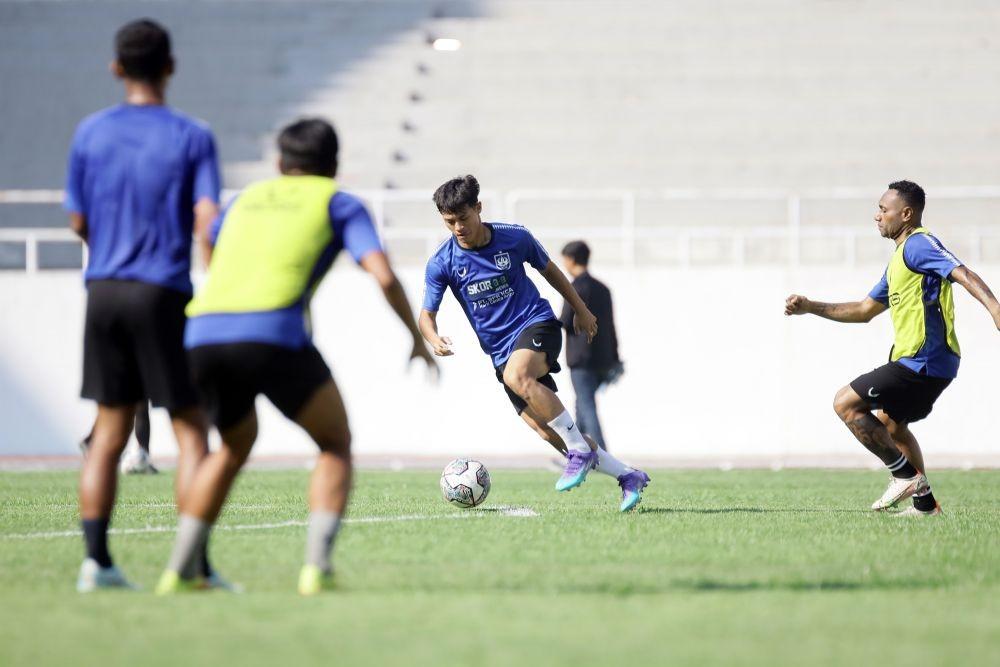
[457, 194]
[142, 48]
[578, 251]
[911, 193]
[309, 145]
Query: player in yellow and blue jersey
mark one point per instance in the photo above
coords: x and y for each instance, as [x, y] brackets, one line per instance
[916, 288]
[483, 266]
[249, 333]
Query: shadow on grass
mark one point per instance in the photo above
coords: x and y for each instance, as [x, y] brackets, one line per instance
[747, 510]
[625, 589]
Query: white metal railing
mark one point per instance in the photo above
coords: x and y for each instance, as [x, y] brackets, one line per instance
[789, 232]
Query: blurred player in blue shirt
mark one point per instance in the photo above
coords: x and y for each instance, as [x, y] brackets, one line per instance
[141, 179]
[483, 266]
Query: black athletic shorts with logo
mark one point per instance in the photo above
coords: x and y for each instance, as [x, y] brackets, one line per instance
[229, 376]
[543, 337]
[902, 394]
[133, 345]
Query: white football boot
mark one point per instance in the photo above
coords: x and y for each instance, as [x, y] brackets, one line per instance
[913, 511]
[93, 577]
[900, 489]
[135, 461]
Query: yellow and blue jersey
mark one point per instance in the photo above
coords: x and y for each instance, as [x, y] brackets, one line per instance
[135, 172]
[273, 245]
[491, 285]
[917, 289]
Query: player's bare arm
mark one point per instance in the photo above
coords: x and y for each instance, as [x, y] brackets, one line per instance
[583, 321]
[428, 327]
[78, 223]
[205, 212]
[978, 288]
[851, 312]
[377, 265]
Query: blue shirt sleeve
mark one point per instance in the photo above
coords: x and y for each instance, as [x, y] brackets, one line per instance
[881, 291]
[353, 226]
[533, 252]
[435, 283]
[925, 254]
[205, 163]
[75, 201]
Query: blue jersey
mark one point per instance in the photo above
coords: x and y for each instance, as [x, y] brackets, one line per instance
[135, 173]
[490, 283]
[924, 254]
[289, 327]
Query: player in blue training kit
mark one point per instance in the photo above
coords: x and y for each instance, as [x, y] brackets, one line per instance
[142, 178]
[483, 265]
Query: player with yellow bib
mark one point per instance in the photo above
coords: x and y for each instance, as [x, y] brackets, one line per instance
[917, 290]
[249, 333]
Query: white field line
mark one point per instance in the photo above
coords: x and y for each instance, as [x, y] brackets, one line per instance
[518, 512]
[172, 505]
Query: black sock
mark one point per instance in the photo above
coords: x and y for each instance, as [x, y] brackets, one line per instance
[901, 468]
[206, 569]
[95, 534]
[924, 501]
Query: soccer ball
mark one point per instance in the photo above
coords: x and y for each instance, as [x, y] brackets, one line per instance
[465, 483]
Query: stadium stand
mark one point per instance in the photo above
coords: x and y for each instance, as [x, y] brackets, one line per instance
[757, 99]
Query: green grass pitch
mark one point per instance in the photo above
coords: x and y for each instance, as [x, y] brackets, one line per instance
[717, 568]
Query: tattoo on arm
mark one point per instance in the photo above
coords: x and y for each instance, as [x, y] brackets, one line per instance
[978, 288]
[839, 312]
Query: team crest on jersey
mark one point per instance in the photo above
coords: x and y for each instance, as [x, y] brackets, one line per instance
[502, 260]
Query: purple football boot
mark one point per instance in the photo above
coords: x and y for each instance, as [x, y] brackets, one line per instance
[578, 464]
[632, 484]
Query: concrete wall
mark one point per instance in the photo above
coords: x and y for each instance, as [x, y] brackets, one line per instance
[714, 372]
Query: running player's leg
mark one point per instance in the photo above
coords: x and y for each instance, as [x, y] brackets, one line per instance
[226, 378]
[324, 418]
[606, 463]
[924, 500]
[204, 497]
[544, 431]
[191, 431]
[111, 379]
[854, 411]
[99, 478]
[856, 414]
[163, 363]
[521, 376]
[631, 481]
[904, 440]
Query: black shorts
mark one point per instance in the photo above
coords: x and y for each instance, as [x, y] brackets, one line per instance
[229, 377]
[542, 337]
[905, 396]
[133, 345]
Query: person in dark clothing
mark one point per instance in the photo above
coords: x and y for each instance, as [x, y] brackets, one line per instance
[595, 364]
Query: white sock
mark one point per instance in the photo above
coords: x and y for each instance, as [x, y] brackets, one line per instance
[611, 466]
[570, 434]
